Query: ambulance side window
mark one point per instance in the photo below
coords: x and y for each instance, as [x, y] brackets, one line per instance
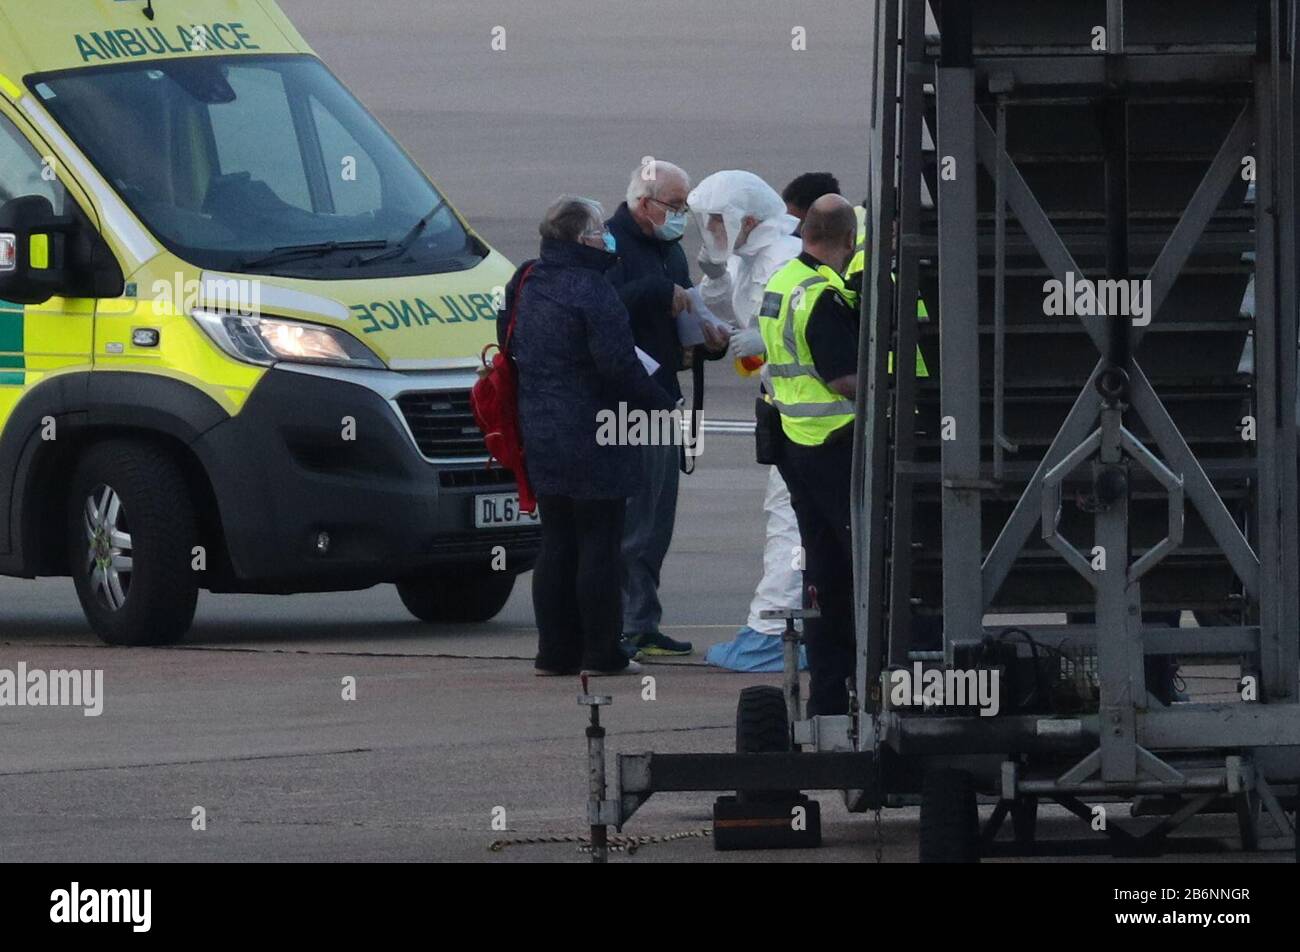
[23, 171]
[353, 175]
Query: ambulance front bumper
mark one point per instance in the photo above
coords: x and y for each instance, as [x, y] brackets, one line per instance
[322, 485]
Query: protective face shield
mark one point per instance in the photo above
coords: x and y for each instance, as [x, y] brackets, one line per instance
[716, 237]
[722, 202]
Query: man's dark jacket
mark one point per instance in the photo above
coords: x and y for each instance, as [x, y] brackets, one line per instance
[576, 358]
[644, 277]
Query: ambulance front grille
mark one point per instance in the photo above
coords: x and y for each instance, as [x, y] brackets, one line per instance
[443, 424]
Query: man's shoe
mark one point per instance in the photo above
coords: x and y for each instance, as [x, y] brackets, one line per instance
[630, 648]
[658, 645]
[632, 668]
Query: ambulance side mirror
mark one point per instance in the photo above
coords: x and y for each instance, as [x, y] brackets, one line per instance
[43, 255]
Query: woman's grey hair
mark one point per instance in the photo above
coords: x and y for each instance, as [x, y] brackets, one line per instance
[648, 180]
[569, 218]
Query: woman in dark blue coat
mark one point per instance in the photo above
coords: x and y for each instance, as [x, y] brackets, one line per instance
[577, 363]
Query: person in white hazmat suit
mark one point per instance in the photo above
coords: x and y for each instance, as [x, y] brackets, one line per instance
[747, 237]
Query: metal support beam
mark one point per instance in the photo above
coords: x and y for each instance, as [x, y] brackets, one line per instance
[1288, 399]
[1180, 458]
[904, 425]
[643, 774]
[959, 357]
[869, 479]
[1119, 617]
[1267, 411]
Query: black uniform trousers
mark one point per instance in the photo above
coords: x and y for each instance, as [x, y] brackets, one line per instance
[818, 478]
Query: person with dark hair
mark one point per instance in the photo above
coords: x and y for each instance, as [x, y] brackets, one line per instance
[806, 189]
[577, 362]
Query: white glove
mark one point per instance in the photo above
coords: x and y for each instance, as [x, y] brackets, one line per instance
[709, 267]
[746, 343]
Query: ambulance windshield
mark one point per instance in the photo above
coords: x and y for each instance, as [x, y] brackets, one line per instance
[262, 164]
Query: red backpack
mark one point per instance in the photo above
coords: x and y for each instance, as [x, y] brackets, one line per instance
[495, 402]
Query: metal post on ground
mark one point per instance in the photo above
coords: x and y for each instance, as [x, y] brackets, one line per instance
[790, 653]
[600, 812]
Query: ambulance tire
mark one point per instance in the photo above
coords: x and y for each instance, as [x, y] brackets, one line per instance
[140, 491]
[457, 597]
[950, 821]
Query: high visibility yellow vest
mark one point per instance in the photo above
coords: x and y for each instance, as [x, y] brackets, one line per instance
[859, 260]
[859, 263]
[810, 410]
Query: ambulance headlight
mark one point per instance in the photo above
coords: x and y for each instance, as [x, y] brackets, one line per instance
[272, 340]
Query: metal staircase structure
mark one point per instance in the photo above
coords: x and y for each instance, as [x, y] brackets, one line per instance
[1118, 466]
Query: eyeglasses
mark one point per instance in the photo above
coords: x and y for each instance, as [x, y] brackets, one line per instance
[681, 209]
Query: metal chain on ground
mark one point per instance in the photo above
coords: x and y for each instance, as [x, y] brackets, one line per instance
[632, 843]
[616, 843]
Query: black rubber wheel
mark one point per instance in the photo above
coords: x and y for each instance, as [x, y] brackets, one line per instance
[950, 822]
[457, 597]
[1024, 820]
[761, 725]
[131, 534]
[762, 728]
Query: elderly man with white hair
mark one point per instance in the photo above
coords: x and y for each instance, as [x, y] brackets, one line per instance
[653, 278]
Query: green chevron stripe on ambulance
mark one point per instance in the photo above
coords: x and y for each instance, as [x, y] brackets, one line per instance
[12, 364]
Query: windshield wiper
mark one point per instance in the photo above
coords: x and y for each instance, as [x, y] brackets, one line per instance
[317, 250]
[403, 246]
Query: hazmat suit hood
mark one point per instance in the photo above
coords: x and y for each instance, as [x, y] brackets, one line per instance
[733, 196]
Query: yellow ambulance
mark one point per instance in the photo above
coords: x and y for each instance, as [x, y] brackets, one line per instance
[238, 328]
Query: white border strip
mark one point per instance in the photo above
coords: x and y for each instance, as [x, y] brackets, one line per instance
[117, 217]
[273, 297]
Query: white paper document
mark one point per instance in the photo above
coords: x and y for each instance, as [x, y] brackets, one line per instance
[648, 362]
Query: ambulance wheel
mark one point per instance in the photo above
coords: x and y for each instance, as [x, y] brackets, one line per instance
[457, 597]
[950, 821]
[131, 533]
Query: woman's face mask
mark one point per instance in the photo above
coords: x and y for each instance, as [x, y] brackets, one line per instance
[602, 239]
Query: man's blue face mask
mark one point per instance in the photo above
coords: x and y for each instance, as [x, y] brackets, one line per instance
[611, 243]
[674, 226]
